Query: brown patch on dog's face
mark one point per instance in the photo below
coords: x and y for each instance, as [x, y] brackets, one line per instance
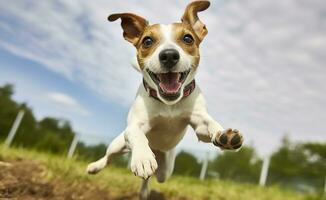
[155, 34]
[185, 37]
[144, 50]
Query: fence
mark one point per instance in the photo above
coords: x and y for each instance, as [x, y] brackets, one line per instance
[263, 174]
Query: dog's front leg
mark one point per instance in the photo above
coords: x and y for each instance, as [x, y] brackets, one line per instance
[143, 163]
[208, 130]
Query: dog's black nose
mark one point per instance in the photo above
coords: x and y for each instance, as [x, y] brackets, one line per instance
[169, 58]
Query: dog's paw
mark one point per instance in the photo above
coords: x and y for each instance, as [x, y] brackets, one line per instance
[95, 167]
[143, 164]
[229, 139]
[92, 168]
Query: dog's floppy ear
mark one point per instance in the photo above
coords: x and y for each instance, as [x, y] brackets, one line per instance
[190, 17]
[132, 25]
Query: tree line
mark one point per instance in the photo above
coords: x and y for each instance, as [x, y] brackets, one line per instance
[301, 166]
[49, 134]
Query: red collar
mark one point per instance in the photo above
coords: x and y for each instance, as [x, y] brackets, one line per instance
[186, 91]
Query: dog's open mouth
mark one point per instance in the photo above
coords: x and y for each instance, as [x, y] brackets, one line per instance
[169, 83]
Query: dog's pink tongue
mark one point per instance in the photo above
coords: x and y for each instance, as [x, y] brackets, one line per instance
[170, 82]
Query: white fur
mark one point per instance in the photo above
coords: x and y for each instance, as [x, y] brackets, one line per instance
[155, 128]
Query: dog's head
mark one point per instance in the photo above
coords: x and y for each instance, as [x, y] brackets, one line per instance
[167, 55]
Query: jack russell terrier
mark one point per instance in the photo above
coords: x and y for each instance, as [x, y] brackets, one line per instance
[168, 100]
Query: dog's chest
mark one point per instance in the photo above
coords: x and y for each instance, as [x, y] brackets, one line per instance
[166, 132]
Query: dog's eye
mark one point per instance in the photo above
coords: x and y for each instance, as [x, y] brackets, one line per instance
[188, 39]
[147, 42]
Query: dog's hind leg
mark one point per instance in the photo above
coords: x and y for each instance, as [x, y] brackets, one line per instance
[117, 146]
[165, 162]
[144, 190]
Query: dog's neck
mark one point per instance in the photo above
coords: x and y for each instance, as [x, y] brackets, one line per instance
[188, 89]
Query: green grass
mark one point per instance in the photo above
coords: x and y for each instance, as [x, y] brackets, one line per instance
[122, 181]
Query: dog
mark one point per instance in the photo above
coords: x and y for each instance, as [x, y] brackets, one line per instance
[168, 100]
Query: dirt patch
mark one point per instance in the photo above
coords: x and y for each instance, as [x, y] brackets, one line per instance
[26, 180]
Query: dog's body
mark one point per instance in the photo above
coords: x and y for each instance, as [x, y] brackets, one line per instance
[168, 100]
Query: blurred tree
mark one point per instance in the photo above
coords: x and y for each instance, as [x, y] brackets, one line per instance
[186, 164]
[299, 166]
[8, 110]
[49, 134]
[316, 153]
[7, 91]
[286, 162]
[243, 165]
[27, 132]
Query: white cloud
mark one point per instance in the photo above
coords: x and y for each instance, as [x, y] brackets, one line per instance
[65, 102]
[262, 66]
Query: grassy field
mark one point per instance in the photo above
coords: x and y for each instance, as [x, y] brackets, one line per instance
[54, 177]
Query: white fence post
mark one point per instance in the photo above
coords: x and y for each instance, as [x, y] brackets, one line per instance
[204, 168]
[73, 146]
[325, 187]
[264, 171]
[14, 128]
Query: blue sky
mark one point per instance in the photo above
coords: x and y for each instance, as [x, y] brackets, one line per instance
[262, 65]
[94, 118]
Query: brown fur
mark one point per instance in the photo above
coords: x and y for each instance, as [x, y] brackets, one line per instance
[132, 25]
[190, 17]
[179, 31]
[154, 32]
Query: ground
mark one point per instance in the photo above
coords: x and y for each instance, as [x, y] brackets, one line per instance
[25, 179]
[29, 175]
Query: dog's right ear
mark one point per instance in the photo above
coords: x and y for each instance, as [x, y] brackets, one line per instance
[132, 25]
